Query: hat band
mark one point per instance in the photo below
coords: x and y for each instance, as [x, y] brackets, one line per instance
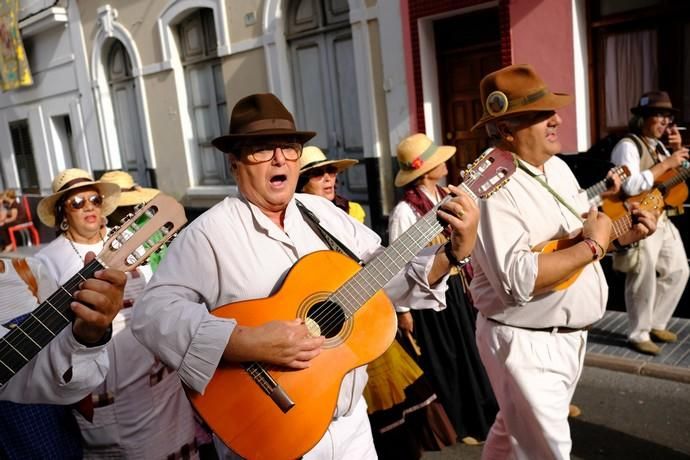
[313, 163]
[130, 189]
[264, 125]
[69, 184]
[525, 100]
[419, 161]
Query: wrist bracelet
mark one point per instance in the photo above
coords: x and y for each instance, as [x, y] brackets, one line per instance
[594, 246]
[448, 249]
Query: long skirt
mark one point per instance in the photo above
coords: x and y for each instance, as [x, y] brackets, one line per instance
[450, 359]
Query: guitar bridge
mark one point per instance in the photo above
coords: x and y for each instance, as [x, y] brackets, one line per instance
[269, 386]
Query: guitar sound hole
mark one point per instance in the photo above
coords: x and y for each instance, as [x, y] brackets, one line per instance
[328, 316]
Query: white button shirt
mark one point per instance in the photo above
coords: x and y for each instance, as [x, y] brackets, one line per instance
[234, 252]
[518, 217]
[626, 153]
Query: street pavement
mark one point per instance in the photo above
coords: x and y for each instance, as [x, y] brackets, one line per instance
[624, 416]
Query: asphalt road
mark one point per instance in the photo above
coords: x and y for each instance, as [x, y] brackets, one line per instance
[624, 416]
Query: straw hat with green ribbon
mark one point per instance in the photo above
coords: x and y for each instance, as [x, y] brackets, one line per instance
[417, 155]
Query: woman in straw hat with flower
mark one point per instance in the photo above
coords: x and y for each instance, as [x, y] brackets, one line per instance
[140, 411]
[449, 355]
[317, 176]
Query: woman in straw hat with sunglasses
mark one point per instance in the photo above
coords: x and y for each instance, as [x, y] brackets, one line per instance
[140, 410]
[317, 176]
[449, 355]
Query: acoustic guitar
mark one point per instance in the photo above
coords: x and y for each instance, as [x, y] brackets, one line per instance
[127, 246]
[671, 184]
[263, 411]
[651, 201]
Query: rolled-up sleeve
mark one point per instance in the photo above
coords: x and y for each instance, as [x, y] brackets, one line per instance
[626, 153]
[172, 319]
[507, 252]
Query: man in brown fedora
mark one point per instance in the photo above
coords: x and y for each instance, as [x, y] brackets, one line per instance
[531, 337]
[242, 249]
[654, 284]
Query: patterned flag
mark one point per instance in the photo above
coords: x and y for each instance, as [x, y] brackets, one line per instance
[14, 67]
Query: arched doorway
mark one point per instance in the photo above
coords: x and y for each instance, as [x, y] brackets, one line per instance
[322, 60]
[122, 87]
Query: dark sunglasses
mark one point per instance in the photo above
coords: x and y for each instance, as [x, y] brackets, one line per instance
[78, 202]
[319, 172]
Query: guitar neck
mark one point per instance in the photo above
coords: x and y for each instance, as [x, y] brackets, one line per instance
[376, 274]
[596, 189]
[23, 342]
[675, 180]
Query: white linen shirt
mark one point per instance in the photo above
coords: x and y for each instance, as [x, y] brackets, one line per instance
[518, 217]
[235, 252]
[626, 153]
[43, 379]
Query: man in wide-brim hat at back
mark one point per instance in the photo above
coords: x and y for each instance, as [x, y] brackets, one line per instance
[657, 270]
[242, 249]
[531, 333]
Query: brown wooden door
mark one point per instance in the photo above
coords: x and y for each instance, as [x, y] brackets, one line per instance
[463, 60]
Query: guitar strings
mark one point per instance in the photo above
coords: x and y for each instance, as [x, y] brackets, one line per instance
[433, 228]
[45, 317]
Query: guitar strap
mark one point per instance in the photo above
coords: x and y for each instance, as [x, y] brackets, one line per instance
[555, 194]
[24, 271]
[330, 240]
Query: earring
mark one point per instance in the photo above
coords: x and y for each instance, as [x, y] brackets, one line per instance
[64, 225]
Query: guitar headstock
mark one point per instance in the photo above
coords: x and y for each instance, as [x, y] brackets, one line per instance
[653, 201]
[489, 172]
[622, 172]
[151, 226]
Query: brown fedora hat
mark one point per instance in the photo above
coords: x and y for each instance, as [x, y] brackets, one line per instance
[516, 89]
[259, 116]
[654, 102]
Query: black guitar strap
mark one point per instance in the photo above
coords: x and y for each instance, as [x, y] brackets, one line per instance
[330, 240]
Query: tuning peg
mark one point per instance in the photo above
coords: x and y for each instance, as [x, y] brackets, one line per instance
[112, 231]
[126, 218]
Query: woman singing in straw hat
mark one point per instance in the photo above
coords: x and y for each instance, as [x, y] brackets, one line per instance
[449, 354]
[317, 176]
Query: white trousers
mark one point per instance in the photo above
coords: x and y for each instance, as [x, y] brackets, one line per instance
[533, 375]
[653, 290]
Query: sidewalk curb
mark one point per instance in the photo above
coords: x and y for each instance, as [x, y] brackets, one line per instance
[634, 366]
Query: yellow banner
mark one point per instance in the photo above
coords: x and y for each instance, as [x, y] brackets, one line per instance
[14, 66]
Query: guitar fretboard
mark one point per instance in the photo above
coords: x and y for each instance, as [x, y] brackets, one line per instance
[23, 342]
[365, 283]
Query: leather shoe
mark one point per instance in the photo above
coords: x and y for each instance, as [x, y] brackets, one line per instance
[662, 335]
[647, 347]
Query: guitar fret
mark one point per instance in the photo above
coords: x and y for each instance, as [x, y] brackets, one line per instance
[58, 311]
[8, 367]
[46, 327]
[29, 337]
[18, 352]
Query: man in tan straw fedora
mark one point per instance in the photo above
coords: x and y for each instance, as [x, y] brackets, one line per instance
[317, 175]
[75, 361]
[531, 337]
[242, 249]
[657, 270]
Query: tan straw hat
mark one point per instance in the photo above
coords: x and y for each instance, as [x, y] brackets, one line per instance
[417, 155]
[516, 89]
[71, 179]
[131, 193]
[256, 117]
[312, 157]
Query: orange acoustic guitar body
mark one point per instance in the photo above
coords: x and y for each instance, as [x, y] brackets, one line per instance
[674, 196]
[622, 222]
[243, 415]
